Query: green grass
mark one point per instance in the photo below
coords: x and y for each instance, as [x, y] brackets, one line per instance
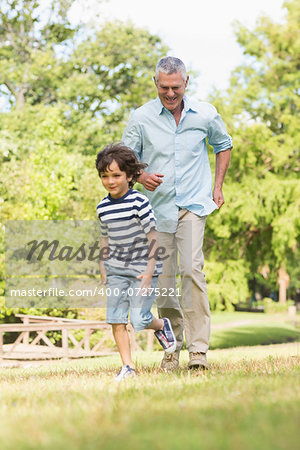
[255, 334]
[249, 400]
[238, 316]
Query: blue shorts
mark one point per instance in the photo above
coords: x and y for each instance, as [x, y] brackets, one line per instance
[124, 294]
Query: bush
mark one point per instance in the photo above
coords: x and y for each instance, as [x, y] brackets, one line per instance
[227, 284]
[275, 307]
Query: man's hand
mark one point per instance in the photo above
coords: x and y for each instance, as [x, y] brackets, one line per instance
[222, 163]
[150, 181]
[218, 197]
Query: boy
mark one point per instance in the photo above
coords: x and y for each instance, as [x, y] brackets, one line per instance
[129, 265]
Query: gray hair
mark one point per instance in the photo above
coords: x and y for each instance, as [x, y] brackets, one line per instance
[170, 65]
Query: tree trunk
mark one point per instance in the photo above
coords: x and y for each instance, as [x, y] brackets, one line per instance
[283, 281]
[20, 99]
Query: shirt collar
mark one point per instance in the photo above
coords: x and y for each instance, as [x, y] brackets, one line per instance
[120, 199]
[158, 105]
[187, 105]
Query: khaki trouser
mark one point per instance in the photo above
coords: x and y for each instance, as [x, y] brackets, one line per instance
[193, 314]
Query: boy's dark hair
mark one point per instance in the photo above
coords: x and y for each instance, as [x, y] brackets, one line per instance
[124, 157]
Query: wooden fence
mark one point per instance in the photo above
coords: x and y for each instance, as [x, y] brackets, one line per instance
[31, 341]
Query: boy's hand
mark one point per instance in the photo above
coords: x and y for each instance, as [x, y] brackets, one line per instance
[102, 273]
[146, 280]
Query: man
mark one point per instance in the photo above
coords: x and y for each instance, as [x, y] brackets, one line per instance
[169, 133]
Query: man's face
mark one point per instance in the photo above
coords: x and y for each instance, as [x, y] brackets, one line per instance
[170, 89]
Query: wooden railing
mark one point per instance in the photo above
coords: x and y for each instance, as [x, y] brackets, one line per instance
[40, 346]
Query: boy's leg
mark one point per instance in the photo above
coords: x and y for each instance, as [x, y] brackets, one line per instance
[167, 304]
[141, 317]
[117, 312]
[156, 324]
[123, 343]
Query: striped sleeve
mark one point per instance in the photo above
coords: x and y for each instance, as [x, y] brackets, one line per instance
[146, 216]
[103, 226]
[104, 229]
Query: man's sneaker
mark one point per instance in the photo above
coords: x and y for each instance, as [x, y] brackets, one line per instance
[198, 361]
[125, 372]
[170, 362]
[166, 337]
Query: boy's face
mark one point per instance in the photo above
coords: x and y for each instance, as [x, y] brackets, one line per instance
[115, 181]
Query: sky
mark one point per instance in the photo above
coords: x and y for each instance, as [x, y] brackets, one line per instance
[198, 32]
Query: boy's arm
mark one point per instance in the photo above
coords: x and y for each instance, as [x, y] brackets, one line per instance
[150, 181]
[147, 275]
[104, 256]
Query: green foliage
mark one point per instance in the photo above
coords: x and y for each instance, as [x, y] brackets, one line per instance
[41, 173]
[30, 30]
[68, 91]
[275, 307]
[95, 72]
[107, 76]
[226, 283]
[260, 221]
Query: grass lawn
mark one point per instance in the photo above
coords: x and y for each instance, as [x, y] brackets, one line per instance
[260, 333]
[236, 316]
[248, 400]
[225, 317]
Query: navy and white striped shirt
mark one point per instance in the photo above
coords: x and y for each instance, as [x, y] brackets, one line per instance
[126, 221]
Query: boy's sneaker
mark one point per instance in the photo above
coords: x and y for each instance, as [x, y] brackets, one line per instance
[166, 337]
[125, 372]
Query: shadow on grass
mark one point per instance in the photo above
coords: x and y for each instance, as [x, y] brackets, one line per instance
[254, 335]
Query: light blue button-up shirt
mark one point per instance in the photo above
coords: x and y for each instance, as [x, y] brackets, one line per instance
[180, 153]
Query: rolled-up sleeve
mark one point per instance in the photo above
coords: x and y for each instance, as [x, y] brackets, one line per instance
[132, 137]
[218, 136]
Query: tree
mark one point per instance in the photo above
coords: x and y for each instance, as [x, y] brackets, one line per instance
[31, 32]
[260, 222]
[45, 59]
[68, 94]
[113, 67]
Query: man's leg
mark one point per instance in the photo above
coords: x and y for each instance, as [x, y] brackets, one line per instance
[189, 237]
[168, 305]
